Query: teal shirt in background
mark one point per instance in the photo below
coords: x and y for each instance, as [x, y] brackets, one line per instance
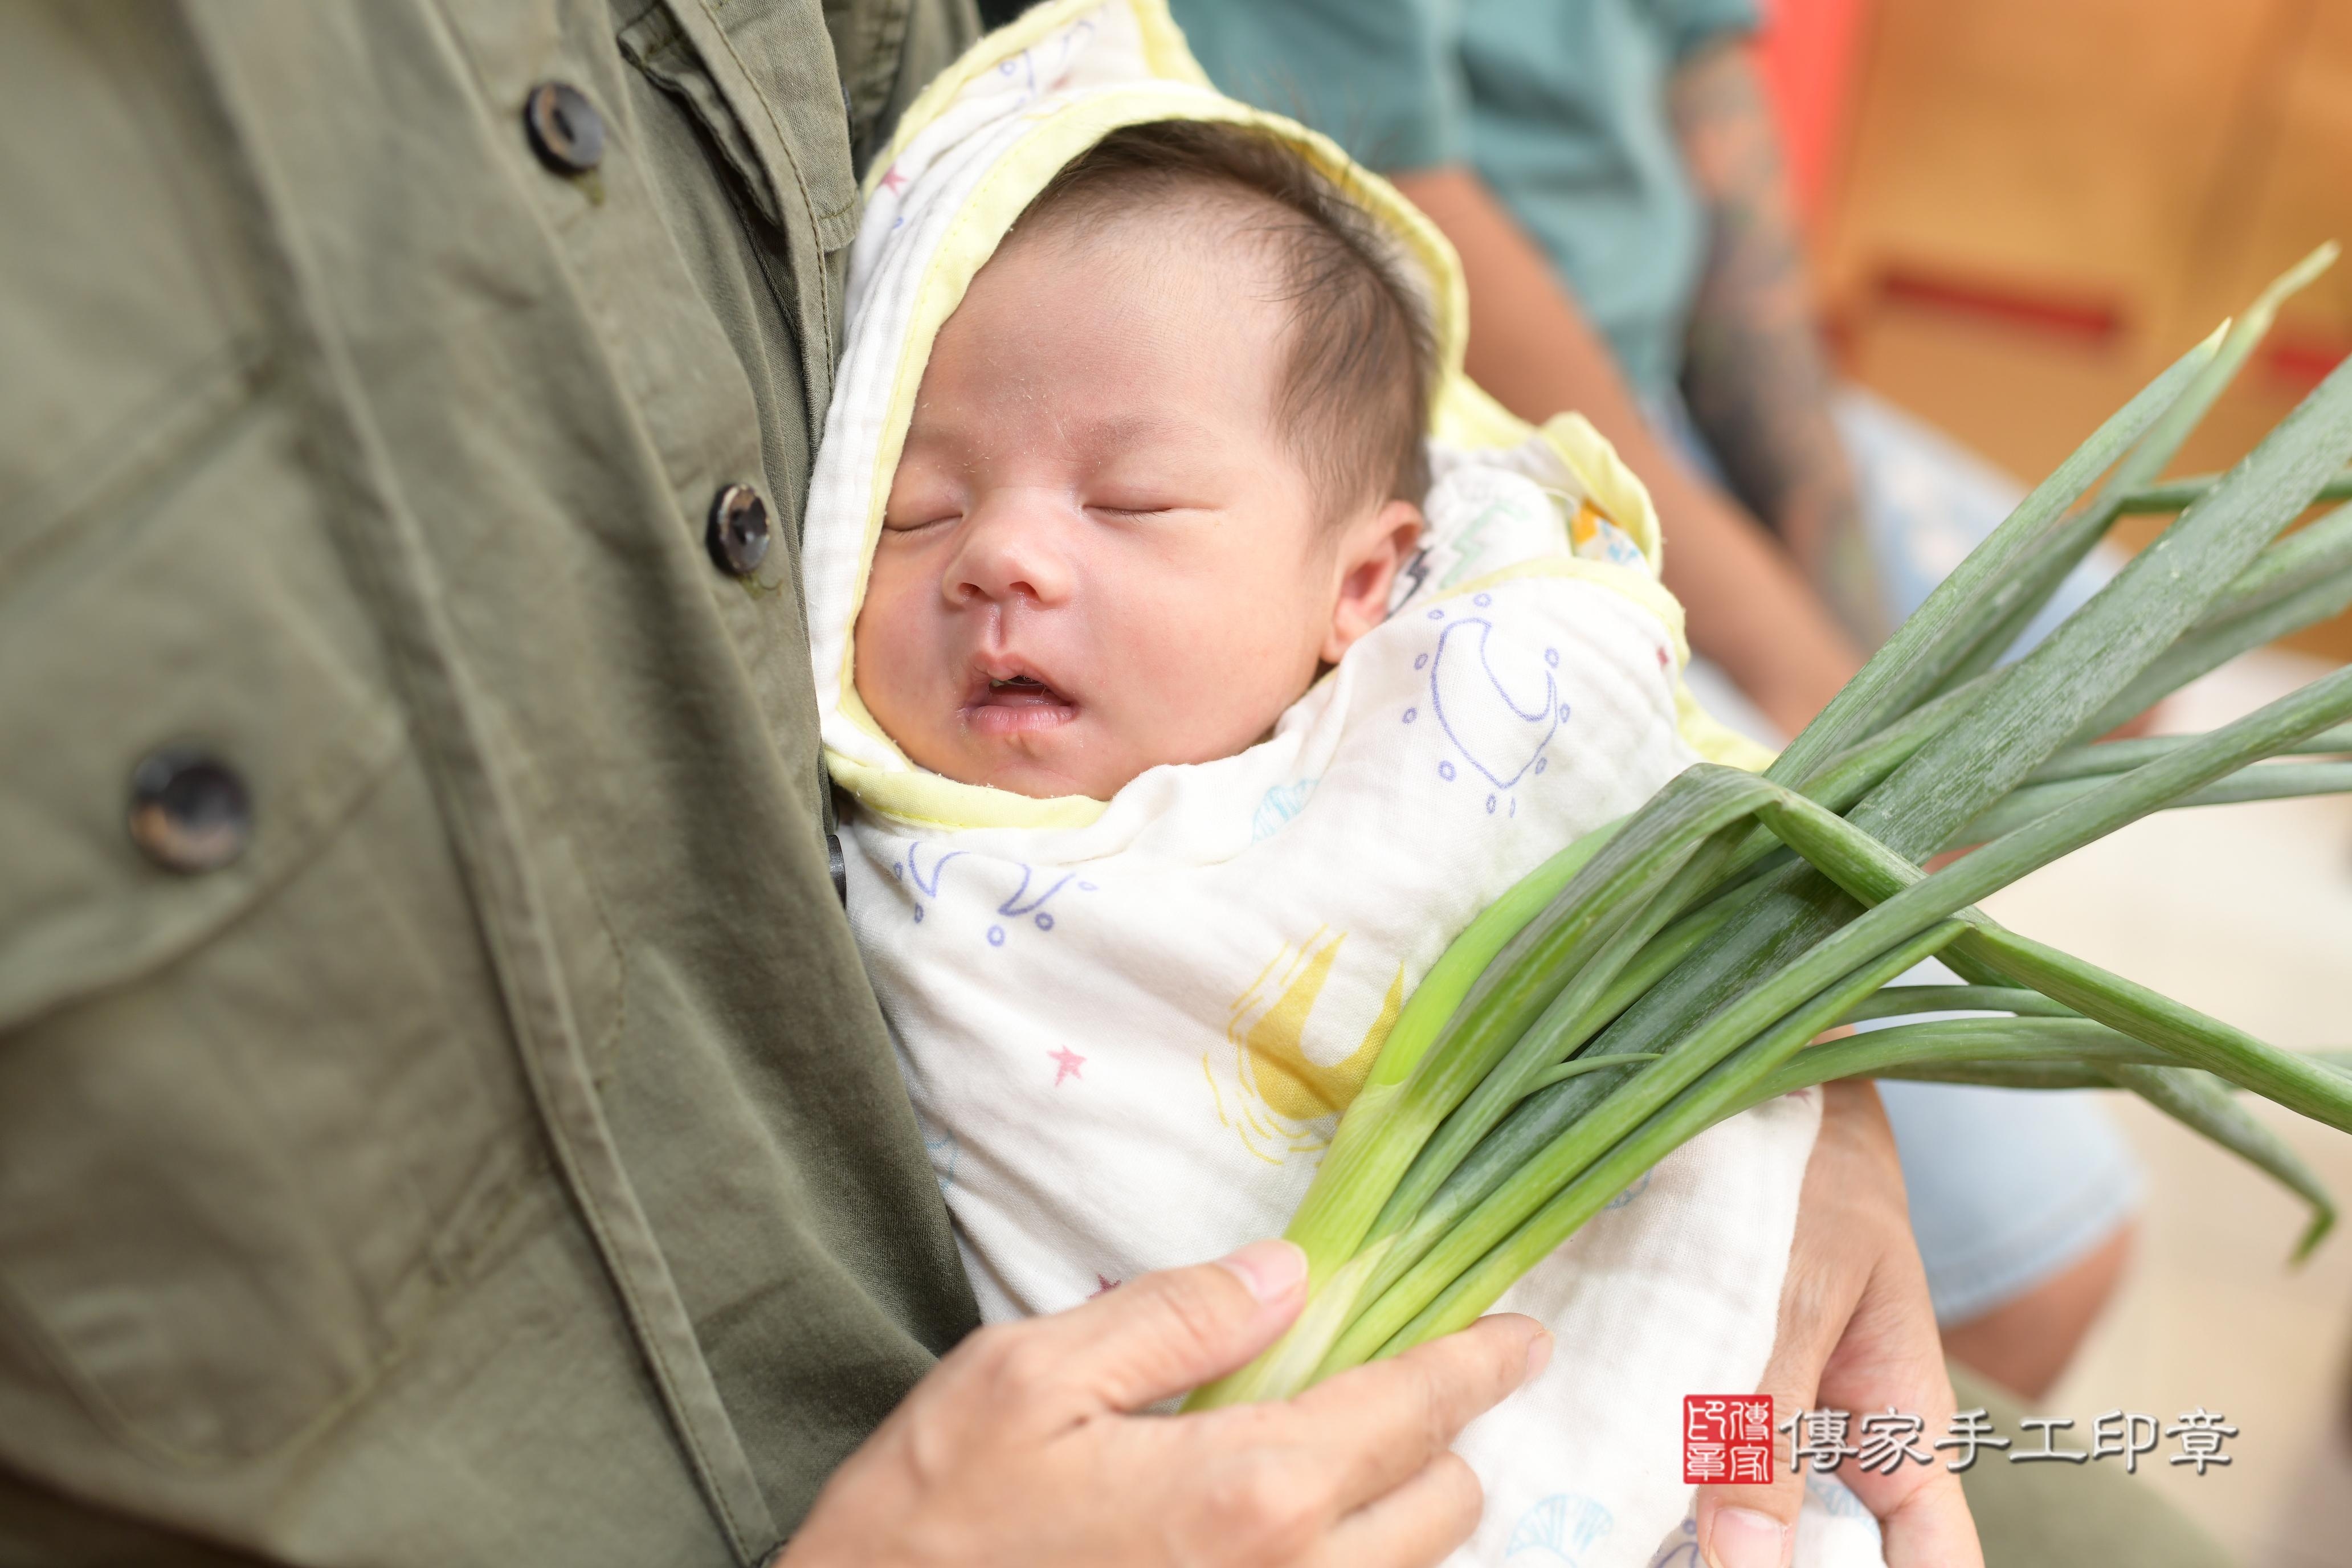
[1560, 105]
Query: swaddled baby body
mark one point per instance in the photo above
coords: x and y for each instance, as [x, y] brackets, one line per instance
[1258, 696]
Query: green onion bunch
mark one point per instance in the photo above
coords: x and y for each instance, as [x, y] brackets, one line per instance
[1678, 966]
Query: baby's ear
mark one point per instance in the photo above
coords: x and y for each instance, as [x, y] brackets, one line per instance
[1372, 552]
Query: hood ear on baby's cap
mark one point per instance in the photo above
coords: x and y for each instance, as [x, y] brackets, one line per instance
[969, 156]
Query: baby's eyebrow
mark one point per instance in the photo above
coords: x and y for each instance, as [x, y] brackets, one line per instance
[1090, 435]
[1109, 432]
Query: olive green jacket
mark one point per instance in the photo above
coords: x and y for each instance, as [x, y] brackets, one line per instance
[442, 1117]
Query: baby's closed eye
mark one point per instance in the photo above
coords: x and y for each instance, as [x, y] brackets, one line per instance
[919, 506]
[1147, 496]
[916, 521]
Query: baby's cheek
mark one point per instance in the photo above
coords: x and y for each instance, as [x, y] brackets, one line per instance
[1215, 692]
[888, 649]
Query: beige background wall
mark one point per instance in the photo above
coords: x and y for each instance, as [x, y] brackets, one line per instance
[2040, 202]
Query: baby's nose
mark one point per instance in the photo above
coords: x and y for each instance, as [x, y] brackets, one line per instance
[1017, 550]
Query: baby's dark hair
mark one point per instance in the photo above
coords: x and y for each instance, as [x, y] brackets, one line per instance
[1354, 395]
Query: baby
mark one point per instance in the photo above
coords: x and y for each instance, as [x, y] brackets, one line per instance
[1189, 698]
[1165, 465]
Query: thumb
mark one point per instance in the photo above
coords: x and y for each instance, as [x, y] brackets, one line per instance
[1169, 1333]
[1754, 1525]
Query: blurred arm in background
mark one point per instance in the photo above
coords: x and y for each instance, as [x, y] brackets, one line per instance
[1755, 374]
[1750, 609]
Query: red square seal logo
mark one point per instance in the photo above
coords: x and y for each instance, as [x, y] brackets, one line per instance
[1726, 1437]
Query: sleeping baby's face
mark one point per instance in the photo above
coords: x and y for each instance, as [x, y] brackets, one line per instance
[1100, 552]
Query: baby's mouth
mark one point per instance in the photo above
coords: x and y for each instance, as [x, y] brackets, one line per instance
[1016, 702]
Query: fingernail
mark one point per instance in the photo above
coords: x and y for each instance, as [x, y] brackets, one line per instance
[1271, 1268]
[1743, 1538]
[1539, 1357]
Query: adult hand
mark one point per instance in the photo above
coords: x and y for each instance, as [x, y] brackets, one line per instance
[1856, 1333]
[1025, 1445]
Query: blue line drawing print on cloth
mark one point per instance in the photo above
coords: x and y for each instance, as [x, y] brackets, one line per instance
[1640, 1184]
[1681, 1548]
[1068, 43]
[1839, 1501]
[1501, 736]
[1560, 1529]
[1018, 904]
[1279, 805]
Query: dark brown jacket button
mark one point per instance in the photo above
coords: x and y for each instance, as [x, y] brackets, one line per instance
[189, 810]
[739, 529]
[565, 129]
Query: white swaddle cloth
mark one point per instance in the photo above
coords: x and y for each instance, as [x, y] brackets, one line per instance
[1129, 1027]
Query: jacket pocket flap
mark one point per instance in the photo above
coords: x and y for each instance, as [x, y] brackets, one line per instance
[163, 627]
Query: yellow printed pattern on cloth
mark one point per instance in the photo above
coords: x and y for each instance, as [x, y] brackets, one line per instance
[1269, 1089]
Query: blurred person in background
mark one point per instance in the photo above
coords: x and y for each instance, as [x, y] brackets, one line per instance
[1610, 171]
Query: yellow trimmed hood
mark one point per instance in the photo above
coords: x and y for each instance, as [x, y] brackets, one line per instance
[968, 158]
